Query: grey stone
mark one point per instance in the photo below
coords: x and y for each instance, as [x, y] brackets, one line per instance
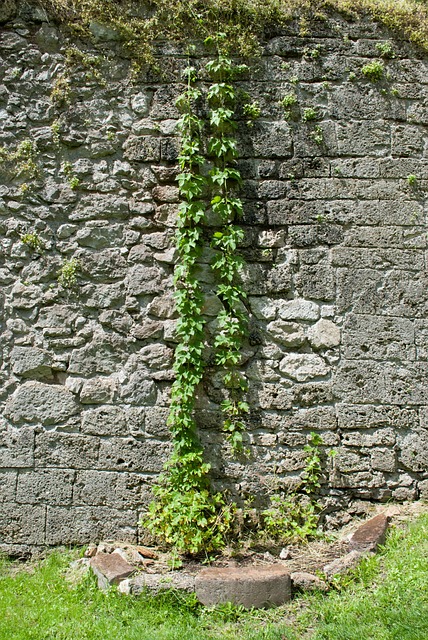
[113, 489]
[303, 367]
[80, 525]
[45, 486]
[298, 309]
[31, 362]
[413, 450]
[38, 402]
[98, 391]
[324, 335]
[130, 454]
[102, 356]
[290, 334]
[66, 450]
[105, 421]
[256, 586]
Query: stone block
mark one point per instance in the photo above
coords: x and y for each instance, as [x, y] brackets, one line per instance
[413, 450]
[16, 447]
[372, 138]
[324, 335]
[371, 534]
[369, 416]
[31, 362]
[69, 450]
[117, 490]
[53, 486]
[303, 366]
[7, 485]
[98, 391]
[298, 309]
[105, 421]
[257, 586]
[110, 568]
[43, 403]
[272, 140]
[289, 334]
[142, 280]
[316, 282]
[129, 454]
[101, 356]
[139, 390]
[22, 524]
[81, 525]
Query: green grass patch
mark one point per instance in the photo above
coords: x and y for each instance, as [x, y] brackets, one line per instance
[385, 599]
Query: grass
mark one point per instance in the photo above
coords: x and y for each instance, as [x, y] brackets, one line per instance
[385, 599]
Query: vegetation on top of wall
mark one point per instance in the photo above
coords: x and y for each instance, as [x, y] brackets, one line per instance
[137, 23]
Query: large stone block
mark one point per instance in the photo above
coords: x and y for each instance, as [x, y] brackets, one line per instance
[104, 421]
[80, 525]
[256, 586]
[31, 362]
[22, 524]
[45, 486]
[69, 450]
[42, 403]
[129, 454]
[117, 490]
[16, 447]
[103, 356]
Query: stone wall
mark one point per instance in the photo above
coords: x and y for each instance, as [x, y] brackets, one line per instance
[336, 275]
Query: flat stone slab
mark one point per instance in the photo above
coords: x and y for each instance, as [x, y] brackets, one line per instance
[371, 534]
[157, 582]
[246, 586]
[343, 564]
[110, 568]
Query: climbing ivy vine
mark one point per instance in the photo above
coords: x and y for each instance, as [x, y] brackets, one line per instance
[225, 178]
[186, 513]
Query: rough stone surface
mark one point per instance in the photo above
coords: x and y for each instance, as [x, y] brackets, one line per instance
[110, 568]
[335, 244]
[302, 581]
[343, 564]
[246, 586]
[371, 534]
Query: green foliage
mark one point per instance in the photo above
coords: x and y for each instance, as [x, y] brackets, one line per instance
[294, 515]
[185, 513]
[411, 180]
[373, 71]
[61, 91]
[317, 135]
[251, 111]
[67, 275]
[310, 114]
[244, 22]
[289, 101]
[33, 241]
[20, 161]
[385, 50]
[73, 180]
